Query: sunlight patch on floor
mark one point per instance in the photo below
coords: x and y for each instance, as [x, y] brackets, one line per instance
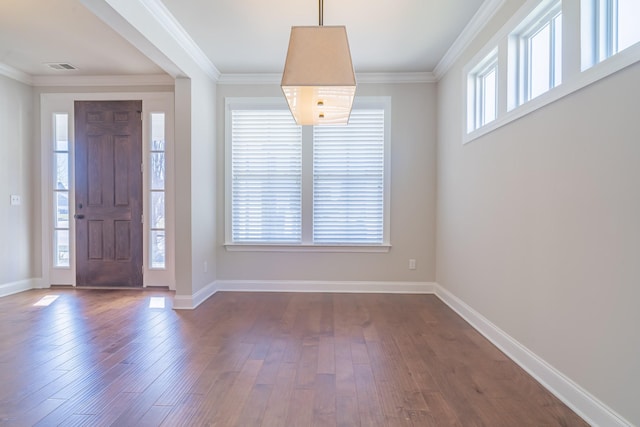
[46, 300]
[156, 302]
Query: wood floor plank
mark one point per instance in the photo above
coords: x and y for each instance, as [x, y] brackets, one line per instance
[37, 413]
[255, 406]
[326, 356]
[300, 412]
[269, 371]
[232, 404]
[276, 412]
[115, 408]
[103, 357]
[307, 366]
[346, 394]
[77, 420]
[154, 416]
[324, 402]
[369, 406]
[183, 412]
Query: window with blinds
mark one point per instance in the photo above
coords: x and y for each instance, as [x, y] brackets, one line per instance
[340, 172]
[348, 180]
[266, 163]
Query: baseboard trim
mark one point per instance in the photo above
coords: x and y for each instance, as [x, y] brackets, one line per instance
[18, 286]
[587, 406]
[191, 302]
[325, 286]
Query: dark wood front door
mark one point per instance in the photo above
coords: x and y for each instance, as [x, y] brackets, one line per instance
[108, 178]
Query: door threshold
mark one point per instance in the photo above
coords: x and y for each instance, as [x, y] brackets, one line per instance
[121, 288]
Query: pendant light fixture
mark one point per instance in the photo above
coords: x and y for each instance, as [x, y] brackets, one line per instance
[318, 79]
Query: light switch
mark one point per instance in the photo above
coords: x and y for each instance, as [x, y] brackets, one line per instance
[15, 200]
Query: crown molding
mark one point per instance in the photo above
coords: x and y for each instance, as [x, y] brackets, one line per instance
[250, 79]
[15, 74]
[126, 80]
[487, 10]
[361, 78]
[380, 78]
[164, 17]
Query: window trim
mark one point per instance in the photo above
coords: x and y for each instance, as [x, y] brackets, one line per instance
[269, 103]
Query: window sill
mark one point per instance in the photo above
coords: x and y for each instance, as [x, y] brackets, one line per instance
[236, 247]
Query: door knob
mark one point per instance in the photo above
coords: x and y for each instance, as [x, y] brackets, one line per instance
[78, 216]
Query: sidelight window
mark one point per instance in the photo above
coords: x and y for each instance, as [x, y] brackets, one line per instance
[61, 190]
[157, 191]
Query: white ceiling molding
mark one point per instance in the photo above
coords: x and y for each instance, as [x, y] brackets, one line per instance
[178, 33]
[128, 80]
[487, 10]
[250, 79]
[12, 73]
[382, 78]
[104, 10]
[364, 78]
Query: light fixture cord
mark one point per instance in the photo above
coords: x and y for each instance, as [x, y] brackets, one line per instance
[321, 13]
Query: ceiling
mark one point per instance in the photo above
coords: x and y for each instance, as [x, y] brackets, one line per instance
[238, 36]
[35, 32]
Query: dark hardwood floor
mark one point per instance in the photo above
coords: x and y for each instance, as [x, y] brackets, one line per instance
[103, 357]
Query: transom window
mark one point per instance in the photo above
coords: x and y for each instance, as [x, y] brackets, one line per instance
[608, 26]
[538, 52]
[483, 95]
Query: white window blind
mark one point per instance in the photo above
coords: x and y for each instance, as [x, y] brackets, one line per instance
[348, 180]
[266, 163]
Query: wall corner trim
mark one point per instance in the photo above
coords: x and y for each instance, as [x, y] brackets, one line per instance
[361, 78]
[171, 25]
[11, 288]
[130, 80]
[326, 286]
[15, 74]
[477, 23]
[587, 406]
[191, 302]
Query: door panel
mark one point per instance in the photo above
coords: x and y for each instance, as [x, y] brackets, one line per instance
[108, 158]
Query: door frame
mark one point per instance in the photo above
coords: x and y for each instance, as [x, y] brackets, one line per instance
[63, 103]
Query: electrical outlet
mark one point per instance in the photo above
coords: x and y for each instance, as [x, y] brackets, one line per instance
[412, 264]
[205, 267]
[15, 200]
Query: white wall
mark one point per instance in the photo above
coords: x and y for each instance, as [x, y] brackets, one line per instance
[16, 177]
[413, 173]
[202, 169]
[539, 227]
